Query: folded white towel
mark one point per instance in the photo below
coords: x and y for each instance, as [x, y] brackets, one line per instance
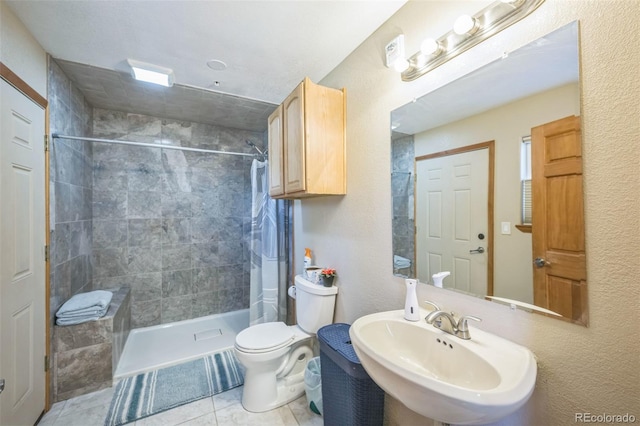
[90, 304]
[80, 319]
[400, 262]
[84, 313]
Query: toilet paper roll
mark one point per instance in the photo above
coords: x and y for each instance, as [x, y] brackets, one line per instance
[312, 273]
[292, 292]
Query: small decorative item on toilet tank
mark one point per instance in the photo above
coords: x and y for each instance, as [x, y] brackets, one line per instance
[327, 276]
[312, 273]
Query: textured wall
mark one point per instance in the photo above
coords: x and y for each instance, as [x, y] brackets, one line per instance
[21, 52]
[171, 224]
[594, 369]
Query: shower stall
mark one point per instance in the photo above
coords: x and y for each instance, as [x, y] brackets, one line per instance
[163, 207]
[180, 225]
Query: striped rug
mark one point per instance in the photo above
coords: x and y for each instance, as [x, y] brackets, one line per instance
[156, 391]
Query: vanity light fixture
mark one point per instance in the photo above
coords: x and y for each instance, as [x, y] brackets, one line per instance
[467, 32]
[401, 65]
[151, 73]
[430, 47]
[466, 24]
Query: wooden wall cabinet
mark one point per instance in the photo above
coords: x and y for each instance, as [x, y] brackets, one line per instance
[307, 151]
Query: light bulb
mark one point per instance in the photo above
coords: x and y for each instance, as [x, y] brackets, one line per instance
[401, 65]
[430, 47]
[465, 24]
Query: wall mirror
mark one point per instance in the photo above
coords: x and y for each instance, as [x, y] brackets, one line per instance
[486, 180]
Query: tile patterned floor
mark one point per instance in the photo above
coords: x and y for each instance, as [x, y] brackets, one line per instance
[220, 410]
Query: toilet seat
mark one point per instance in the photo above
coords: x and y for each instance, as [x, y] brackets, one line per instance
[265, 337]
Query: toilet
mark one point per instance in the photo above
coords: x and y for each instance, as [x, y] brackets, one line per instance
[274, 355]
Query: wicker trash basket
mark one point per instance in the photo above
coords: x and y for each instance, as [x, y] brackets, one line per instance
[349, 396]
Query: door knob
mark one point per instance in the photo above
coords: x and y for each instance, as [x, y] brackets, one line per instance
[478, 250]
[540, 262]
[1, 385]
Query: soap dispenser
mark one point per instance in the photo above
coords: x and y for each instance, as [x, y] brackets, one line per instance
[437, 278]
[411, 311]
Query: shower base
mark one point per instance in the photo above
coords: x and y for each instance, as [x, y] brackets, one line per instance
[159, 346]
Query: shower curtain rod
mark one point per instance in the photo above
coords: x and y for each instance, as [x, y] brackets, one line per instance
[151, 145]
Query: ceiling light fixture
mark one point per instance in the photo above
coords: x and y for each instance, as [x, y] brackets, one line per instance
[467, 32]
[151, 73]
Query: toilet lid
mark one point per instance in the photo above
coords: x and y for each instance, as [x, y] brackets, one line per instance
[262, 337]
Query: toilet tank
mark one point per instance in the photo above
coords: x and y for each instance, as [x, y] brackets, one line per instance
[314, 304]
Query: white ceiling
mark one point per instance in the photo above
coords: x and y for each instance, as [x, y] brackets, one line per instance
[269, 46]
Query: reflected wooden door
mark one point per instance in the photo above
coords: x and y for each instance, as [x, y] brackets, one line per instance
[453, 210]
[559, 277]
[22, 266]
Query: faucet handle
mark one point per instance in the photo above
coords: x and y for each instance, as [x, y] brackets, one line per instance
[463, 327]
[435, 307]
[462, 322]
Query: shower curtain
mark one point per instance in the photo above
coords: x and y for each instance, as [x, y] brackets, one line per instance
[269, 250]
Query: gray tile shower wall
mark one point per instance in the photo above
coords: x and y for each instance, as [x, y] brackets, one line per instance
[172, 225]
[402, 190]
[71, 187]
[70, 183]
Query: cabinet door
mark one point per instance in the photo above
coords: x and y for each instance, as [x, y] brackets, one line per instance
[276, 164]
[294, 141]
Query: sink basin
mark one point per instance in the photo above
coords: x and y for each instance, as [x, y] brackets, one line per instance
[441, 376]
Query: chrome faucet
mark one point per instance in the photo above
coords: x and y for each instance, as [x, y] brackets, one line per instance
[458, 328]
[433, 305]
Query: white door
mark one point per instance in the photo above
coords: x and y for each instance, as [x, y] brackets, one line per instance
[452, 222]
[22, 266]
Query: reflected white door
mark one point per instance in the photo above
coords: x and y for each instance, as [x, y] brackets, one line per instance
[22, 266]
[452, 219]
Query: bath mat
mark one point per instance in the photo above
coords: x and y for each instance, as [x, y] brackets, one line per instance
[156, 391]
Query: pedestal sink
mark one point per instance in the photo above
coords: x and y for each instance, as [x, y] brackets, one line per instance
[440, 376]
